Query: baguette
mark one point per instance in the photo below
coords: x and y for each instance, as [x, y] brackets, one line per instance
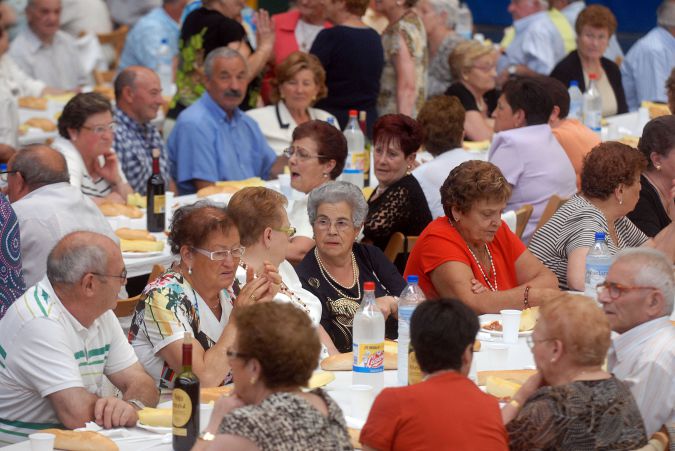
[141, 245]
[344, 361]
[81, 440]
[33, 103]
[211, 394]
[110, 209]
[134, 234]
[519, 376]
[319, 379]
[150, 416]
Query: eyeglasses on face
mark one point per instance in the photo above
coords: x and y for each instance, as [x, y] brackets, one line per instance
[300, 153]
[122, 275]
[4, 175]
[236, 252]
[531, 341]
[616, 290]
[101, 129]
[290, 231]
[324, 223]
[234, 354]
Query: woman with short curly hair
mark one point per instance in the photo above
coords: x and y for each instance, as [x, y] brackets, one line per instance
[471, 254]
[610, 188]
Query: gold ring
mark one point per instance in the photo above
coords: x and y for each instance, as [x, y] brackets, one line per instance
[252, 297]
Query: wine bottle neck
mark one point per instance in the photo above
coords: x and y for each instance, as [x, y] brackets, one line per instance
[155, 165]
[187, 357]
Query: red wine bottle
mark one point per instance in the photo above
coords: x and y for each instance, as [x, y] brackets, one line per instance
[156, 200]
[185, 409]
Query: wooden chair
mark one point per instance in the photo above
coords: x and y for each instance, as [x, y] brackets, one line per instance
[116, 40]
[399, 244]
[523, 215]
[126, 307]
[552, 206]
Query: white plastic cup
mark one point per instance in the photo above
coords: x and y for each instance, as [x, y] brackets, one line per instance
[285, 185]
[205, 411]
[168, 208]
[510, 325]
[362, 399]
[42, 441]
[497, 355]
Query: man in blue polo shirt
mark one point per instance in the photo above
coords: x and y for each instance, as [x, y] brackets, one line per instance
[213, 140]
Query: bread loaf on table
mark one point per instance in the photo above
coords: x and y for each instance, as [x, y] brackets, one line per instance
[110, 209]
[134, 234]
[141, 246]
[81, 440]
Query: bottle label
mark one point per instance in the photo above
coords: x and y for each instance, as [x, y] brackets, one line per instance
[182, 408]
[358, 160]
[158, 204]
[368, 357]
[181, 432]
[414, 371]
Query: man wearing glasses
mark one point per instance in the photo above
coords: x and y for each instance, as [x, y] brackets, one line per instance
[637, 297]
[59, 340]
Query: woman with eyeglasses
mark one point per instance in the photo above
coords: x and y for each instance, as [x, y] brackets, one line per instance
[86, 130]
[273, 355]
[197, 294]
[610, 189]
[571, 402]
[316, 156]
[398, 203]
[336, 269]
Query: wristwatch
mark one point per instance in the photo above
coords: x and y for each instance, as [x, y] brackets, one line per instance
[138, 405]
[513, 69]
[207, 436]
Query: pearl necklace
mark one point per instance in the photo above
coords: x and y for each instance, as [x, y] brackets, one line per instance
[492, 264]
[328, 277]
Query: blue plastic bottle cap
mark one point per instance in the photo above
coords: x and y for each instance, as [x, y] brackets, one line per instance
[574, 83]
[413, 279]
[600, 236]
[353, 171]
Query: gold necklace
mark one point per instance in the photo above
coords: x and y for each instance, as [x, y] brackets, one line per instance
[328, 277]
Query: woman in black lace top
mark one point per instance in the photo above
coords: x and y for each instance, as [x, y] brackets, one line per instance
[398, 204]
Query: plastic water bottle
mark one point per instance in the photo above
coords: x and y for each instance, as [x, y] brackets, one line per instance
[598, 261]
[576, 101]
[464, 25]
[165, 67]
[408, 369]
[3, 168]
[368, 342]
[356, 144]
[593, 106]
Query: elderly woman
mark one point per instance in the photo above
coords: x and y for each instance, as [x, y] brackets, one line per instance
[473, 66]
[336, 269]
[398, 203]
[300, 81]
[442, 123]
[442, 333]
[197, 294]
[86, 130]
[273, 355]
[594, 26]
[352, 54]
[572, 403]
[656, 207]
[316, 156]
[471, 254]
[526, 151]
[439, 18]
[403, 86]
[610, 189]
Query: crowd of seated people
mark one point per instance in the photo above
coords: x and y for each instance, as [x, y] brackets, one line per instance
[462, 133]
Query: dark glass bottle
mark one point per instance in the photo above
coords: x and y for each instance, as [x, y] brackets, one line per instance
[156, 200]
[185, 418]
[368, 148]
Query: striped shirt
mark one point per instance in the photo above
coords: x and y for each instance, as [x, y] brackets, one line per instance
[644, 358]
[574, 226]
[43, 350]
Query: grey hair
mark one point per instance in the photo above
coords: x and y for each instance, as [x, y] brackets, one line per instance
[34, 172]
[334, 192]
[67, 264]
[665, 14]
[651, 268]
[450, 7]
[220, 52]
[125, 78]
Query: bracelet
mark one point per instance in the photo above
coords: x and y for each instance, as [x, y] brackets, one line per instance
[514, 403]
[526, 297]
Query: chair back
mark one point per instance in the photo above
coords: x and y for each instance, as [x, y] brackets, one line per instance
[399, 244]
[554, 203]
[523, 215]
[116, 40]
[126, 307]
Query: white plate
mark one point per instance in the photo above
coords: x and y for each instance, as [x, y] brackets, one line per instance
[141, 254]
[486, 319]
[155, 429]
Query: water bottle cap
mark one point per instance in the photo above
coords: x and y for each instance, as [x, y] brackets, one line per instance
[413, 279]
[574, 83]
[353, 113]
[165, 41]
[369, 286]
[600, 236]
[353, 171]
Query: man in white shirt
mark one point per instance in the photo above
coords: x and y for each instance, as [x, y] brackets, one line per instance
[61, 338]
[46, 53]
[48, 206]
[637, 297]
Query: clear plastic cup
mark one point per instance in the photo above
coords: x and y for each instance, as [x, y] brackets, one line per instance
[41, 441]
[510, 325]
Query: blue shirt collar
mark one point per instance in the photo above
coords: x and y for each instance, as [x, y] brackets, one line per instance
[523, 23]
[217, 111]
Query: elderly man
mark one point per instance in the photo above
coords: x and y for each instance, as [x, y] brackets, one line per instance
[61, 338]
[46, 53]
[48, 206]
[163, 23]
[537, 45]
[213, 139]
[138, 95]
[650, 60]
[637, 297]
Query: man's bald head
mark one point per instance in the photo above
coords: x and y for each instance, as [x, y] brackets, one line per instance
[77, 254]
[39, 165]
[138, 93]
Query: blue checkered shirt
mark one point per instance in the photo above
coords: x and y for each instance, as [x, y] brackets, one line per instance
[133, 144]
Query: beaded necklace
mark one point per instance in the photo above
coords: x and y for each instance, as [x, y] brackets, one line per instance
[330, 279]
[480, 267]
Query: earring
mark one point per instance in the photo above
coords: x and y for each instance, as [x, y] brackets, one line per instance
[408, 170]
[190, 270]
[253, 380]
[620, 201]
[466, 78]
[658, 167]
[325, 175]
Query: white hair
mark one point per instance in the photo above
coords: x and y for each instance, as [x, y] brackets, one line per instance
[651, 268]
[220, 52]
[665, 14]
[335, 192]
[449, 7]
